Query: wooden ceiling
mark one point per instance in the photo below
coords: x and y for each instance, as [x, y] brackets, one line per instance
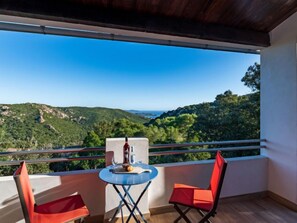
[234, 21]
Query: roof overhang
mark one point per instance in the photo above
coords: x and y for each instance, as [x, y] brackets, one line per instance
[50, 27]
[240, 26]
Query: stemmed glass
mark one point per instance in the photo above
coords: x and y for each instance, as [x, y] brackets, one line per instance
[114, 163]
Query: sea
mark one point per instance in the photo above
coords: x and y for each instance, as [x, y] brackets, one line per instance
[147, 113]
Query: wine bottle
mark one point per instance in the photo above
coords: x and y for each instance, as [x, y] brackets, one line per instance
[126, 152]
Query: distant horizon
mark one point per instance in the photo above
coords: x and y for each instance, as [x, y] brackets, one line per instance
[148, 110]
[57, 106]
[65, 71]
[129, 109]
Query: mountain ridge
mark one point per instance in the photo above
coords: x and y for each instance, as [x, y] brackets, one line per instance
[31, 125]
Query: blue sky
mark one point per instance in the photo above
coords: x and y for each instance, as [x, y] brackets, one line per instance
[68, 71]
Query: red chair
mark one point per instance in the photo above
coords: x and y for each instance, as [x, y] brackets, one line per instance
[205, 201]
[62, 210]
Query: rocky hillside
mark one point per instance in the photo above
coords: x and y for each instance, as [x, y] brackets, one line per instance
[43, 126]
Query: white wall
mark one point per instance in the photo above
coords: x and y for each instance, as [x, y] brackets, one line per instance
[50, 187]
[279, 109]
[243, 176]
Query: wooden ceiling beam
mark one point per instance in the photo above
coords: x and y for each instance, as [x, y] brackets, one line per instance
[77, 12]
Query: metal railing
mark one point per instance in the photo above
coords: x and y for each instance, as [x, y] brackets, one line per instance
[51, 151]
[237, 145]
[164, 150]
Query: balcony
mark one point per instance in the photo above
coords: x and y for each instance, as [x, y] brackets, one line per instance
[244, 195]
[268, 28]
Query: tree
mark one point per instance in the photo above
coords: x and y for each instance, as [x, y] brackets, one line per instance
[92, 140]
[105, 129]
[155, 134]
[251, 78]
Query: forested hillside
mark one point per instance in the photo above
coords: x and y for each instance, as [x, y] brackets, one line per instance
[229, 117]
[43, 126]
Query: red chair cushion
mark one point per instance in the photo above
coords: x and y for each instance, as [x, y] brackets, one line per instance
[192, 197]
[62, 210]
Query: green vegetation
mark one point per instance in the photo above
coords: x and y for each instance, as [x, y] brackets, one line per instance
[43, 126]
[229, 117]
[37, 126]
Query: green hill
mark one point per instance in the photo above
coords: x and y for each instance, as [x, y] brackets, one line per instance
[229, 117]
[43, 126]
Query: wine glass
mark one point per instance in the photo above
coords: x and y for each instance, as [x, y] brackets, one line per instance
[114, 163]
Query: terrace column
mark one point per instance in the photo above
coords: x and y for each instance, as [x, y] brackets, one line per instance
[279, 109]
[114, 147]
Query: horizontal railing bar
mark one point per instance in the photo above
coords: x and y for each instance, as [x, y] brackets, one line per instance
[227, 149]
[53, 160]
[156, 146]
[52, 151]
[97, 149]
[164, 146]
